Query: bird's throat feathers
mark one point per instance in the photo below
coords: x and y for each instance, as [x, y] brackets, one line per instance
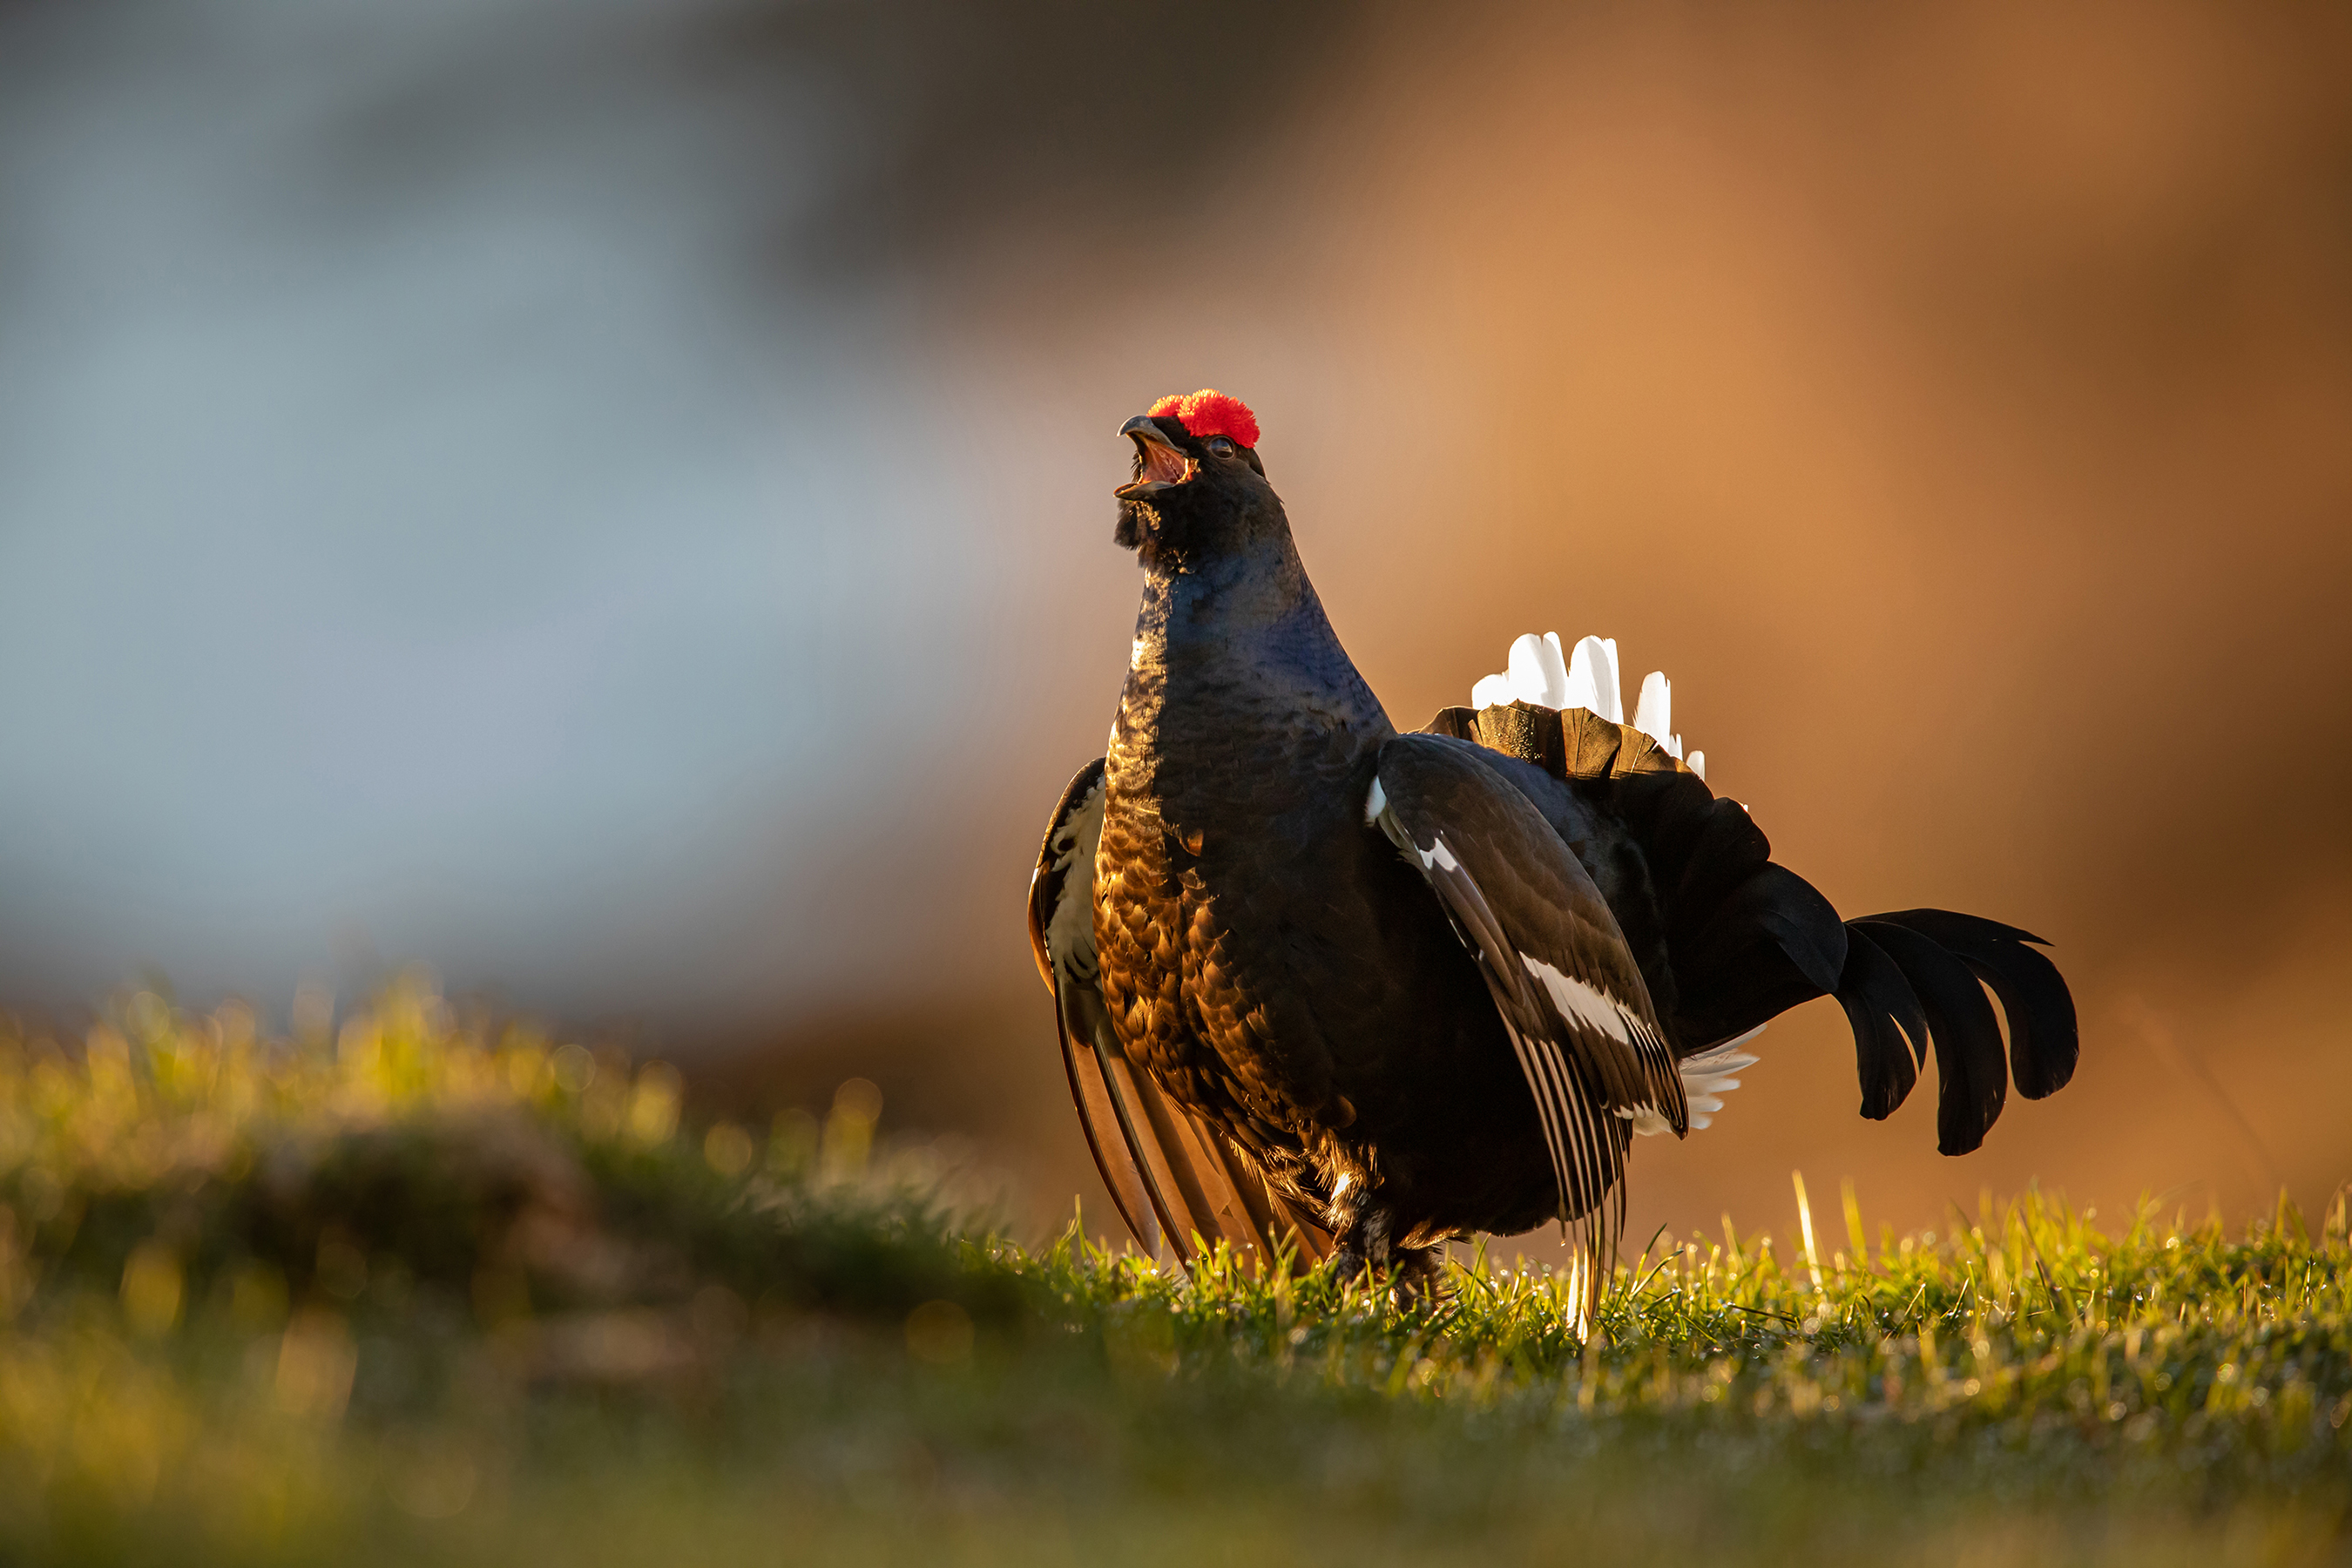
[1242, 640]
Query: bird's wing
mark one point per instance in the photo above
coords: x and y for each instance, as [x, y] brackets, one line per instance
[1173, 1177]
[1553, 958]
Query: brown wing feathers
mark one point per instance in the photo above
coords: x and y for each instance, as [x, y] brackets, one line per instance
[1171, 1176]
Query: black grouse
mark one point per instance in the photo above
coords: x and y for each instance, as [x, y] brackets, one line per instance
[1328, 986]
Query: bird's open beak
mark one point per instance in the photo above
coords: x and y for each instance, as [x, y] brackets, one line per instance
[1163, 466]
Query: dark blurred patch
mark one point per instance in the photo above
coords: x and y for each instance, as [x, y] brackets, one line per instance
[965, 117]
[926, 125]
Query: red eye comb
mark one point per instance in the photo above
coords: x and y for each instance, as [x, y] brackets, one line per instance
[1208, 413]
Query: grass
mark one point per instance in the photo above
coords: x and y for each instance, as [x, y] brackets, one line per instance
[433, 1290]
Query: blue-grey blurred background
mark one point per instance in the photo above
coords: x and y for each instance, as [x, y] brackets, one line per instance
[612, 500]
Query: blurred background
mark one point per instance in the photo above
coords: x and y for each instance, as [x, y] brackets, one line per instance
[612, 501]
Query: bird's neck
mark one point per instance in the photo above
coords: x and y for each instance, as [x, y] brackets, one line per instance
[1234, 648]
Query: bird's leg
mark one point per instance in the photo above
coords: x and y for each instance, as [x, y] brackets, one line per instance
[1364, 1225]
[1365, 1228]
[1364, 1241]
[1360, 1224]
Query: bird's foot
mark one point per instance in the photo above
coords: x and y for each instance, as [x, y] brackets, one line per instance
[1410, 1276]
[1416, 1277]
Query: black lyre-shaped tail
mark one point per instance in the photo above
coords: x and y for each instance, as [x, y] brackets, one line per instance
[1727, 938]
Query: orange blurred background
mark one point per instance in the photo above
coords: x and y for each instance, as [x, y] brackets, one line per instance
[655, 563]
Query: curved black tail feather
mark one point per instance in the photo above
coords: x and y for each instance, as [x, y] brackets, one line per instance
[1971, 1077]
[2043, 1039]
[1920, 967]
[1883, 1009]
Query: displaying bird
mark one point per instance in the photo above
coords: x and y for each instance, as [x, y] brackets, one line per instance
[1328, 987]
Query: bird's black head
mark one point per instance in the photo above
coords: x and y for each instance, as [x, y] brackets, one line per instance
[1199, 488]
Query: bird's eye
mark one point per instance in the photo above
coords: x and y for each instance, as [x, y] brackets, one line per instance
[1221, 447]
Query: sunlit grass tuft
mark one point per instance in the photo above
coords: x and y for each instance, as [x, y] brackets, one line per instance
[433, 1284]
